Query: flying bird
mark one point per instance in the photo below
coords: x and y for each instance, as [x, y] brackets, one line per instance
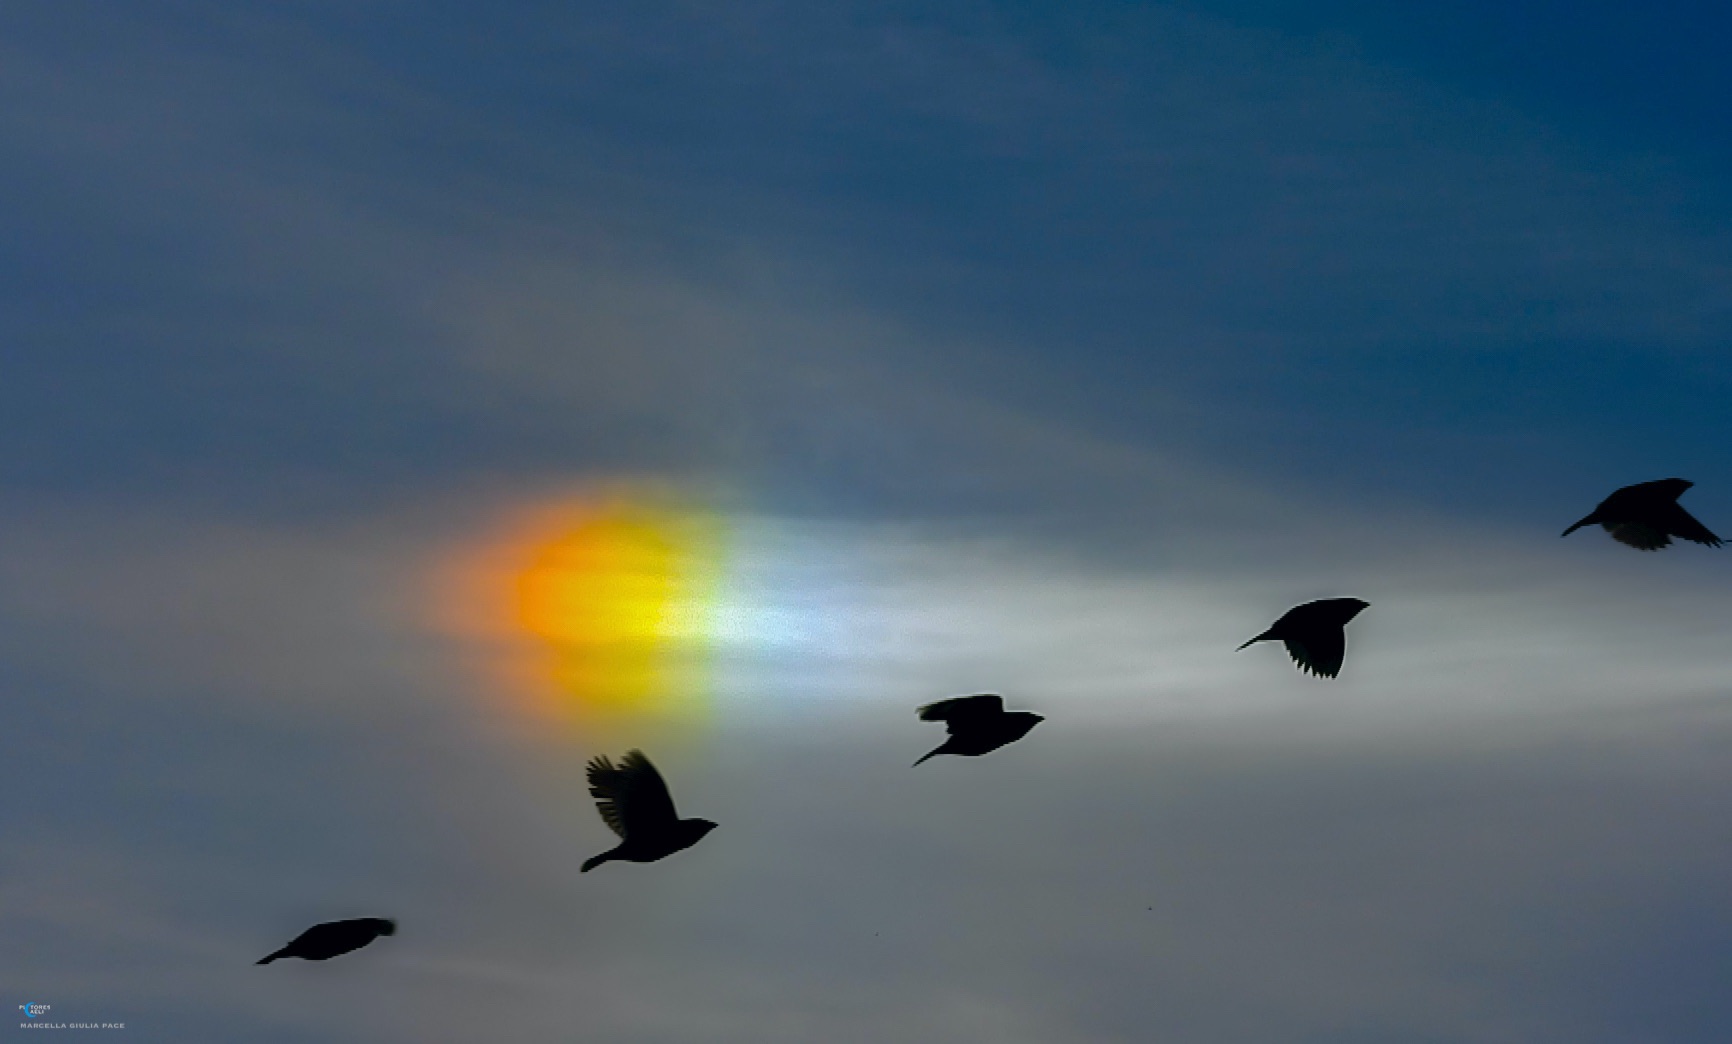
[321, 942]
[977, 724]
[635, 804]
[1315, 633]
[1647, 516]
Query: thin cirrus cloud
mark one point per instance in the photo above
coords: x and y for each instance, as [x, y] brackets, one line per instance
[794, 614]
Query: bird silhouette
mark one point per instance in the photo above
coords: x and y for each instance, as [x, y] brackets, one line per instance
[1315, 633]
[1647, 516]
[977, 724]
[635, 804]
[321, 942]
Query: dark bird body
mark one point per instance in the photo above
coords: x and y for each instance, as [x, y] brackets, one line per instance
[635, 804]
[1647, 516]
[321, 942]
[977, 724]
[1315, 634]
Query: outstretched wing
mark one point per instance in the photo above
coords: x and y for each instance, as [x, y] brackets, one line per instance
[1320, 652]
[631, 798]
[1639, 536]
[962, 710]
[1681, 523]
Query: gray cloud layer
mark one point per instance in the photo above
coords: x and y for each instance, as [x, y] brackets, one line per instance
[1503, 810]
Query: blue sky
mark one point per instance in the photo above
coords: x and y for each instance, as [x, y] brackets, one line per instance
[1488, 248]
[1046, 347]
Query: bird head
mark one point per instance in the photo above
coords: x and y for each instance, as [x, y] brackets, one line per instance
[384, 926]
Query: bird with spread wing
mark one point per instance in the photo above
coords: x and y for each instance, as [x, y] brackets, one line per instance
[977, 724]
[635, 804]
[1647, 515]
[1315, 634]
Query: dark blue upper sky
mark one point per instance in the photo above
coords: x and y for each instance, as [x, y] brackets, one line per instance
[1474, 257]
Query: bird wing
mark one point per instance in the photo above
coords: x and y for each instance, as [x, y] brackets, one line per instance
[961, 710]
[1320, 651]
[1639, 536]
[631, 798]
[1681, 523]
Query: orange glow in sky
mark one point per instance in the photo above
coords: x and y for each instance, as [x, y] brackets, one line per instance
[593, 608]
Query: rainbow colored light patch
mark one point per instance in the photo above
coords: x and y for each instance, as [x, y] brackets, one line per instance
[595, 607]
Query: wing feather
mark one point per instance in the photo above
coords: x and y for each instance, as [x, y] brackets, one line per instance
[1321, 652]
[1637, 535]
[1683, 524]
[632, 798]
[963, 708]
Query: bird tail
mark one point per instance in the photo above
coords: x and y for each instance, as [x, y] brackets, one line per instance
[593, 861]
[928, 754]
[1585, 521]
[1266, 636]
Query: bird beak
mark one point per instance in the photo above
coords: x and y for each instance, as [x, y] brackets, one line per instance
[1586, 521]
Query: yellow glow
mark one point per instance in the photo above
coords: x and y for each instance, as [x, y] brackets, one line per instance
[595, 607]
